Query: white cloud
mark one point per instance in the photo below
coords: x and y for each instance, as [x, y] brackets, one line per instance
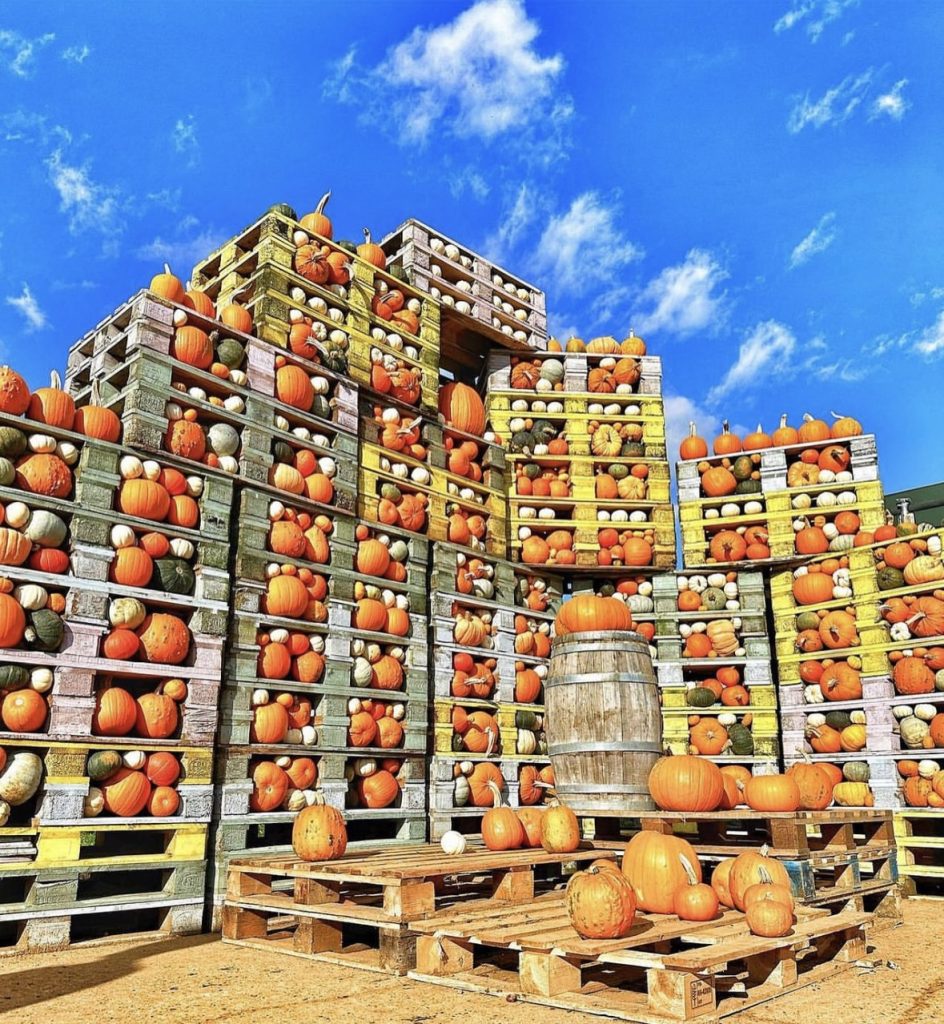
[516, 218]
[560, 326]
[891, 104]
[680, 411]
[766, 351]
[166, 197]
[583, 247]
[834, 107]
[684, 298]
[930, 341]
[817, 241]
[477, 76]
[18, 54]
[468, 180]
[29, 308]
[917, 298]
[89, 205]
[76, 54]
[816, 13]
[29, 127]
[182, 252]
[184, 138]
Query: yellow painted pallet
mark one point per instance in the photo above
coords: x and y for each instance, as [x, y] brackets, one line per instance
[674, 702]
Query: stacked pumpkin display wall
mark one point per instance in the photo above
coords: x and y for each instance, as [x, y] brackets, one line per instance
[114, 600]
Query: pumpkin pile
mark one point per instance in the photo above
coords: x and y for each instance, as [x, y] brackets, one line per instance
[302, 471]
[530, 737]
[920, 726]
[399, 507]
[908, 561]
[466, 528]
[836, 679]
[462, 410]
[471, 677]
[283, 654]
[554, 548]
[532, 637]
[536, 593]
[473, 628]
[36, 463]
[376, 783]
[132, 783]
[721, 735]
[168, 286]
[535, 480]
[476, 732]
[282, 718]
[21, 773]
[396, 378]
[730, 477]
[539, 375]
[631, 345]
[833, 531]
[295, 593]
[819, 583]
[477, 784]
[625, 547]
[723, 686]
[296, 534]
[378, 666]
[138, 634]
[155, 715]
[535, 785]
[816, 467]
[612, 376]
[216, 353]
[378, 554]
[474, 577]
[614, 438]
[404, 434]
[33, 537]
[717, 638]
[375, 723]
[390, 615]
[150, 491]
[23, 698]
[750, 543]
[31, 617]
[152, 560]
[918, 670]
[318, 341]
[537, 438]
[284, 783]
[309, 393]
[216, 446]
[464, 459]
[393, 307]
[922, 783]
[811, 431]
[636, 593]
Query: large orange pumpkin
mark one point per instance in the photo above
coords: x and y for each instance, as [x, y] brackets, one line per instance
[319, 833]
[652, 865]
[126, 792]
[601, 904]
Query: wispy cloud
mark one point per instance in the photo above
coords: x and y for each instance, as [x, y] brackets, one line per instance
[468, 180]
[817, 241]
[683, 298]
[184, 138]
[477, 76]
[29, 127]
[18, 54]
[26, 305]
[521, 210]
[891, 104]
[765, 353]
[834, 107]
[183, 251]
[930, 341]
[83, 285]
[680, 411]
[815, 15]
[583, 247]
[917, 298]
[89, 205]
[76, 54]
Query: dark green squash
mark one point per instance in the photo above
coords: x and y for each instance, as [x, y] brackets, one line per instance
[857, 771]
[45, 631]
[391, 492]
[321, 407]
[838, 719]
[173, 575]
[7, 473]
[700, 697]
[544, 431]
[742, 741]
[607, 590]
[531, 470]
[748, 487]
[13, 677]
[890, 579]
[713, 599]
[102, 764]
[526, 720]
[807, 620]
[230, 353]
[284, 210]
[12, 442]
[742, 467]
[633, 450]
[347, 245]
[283, 452]
[333, 357]
[521, 440]
[618, 470]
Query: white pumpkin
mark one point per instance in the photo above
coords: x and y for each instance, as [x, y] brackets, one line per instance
[20, 779]
[134, 759]
[93, 803]
[17, 515]
[126, 613]
[30, 597]
[182, 548]
[41, 680]
[122, 537]
[453, 843]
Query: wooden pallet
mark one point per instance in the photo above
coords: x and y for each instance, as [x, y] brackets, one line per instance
[356, 910]
[665, 970]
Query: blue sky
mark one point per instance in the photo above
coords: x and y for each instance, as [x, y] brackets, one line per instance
[754, 187]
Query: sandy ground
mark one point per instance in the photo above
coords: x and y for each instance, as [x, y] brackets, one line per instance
[200, 980]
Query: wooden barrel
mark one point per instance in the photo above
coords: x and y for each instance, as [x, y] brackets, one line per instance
[604, 724]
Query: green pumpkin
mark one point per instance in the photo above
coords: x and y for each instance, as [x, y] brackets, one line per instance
[321, 407]
[334, 358]
[714, 599]
[102, 764]
[552, 370]
[461, 792]
[521, 440]
[807, 620]
[742, 741]
[748, 487]
[7, 473]
[526, 720]
[45, 631]
[230, 353]
[12, 442]
[543, 431]
[618, 470]
[607, 590]
[890, 579]
[700, 697]
[173, 575]
[531, 470]
[838, 719]
[346, 245]
[633, 450]
[856, 771]
[13, 677]
[542, 744]
[456, 742]
[391, 492]
[284, 210]
[283, 452]
[742, 467]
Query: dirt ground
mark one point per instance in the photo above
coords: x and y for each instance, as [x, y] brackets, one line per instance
[199, 980]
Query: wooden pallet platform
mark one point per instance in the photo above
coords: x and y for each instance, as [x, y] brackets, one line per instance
[665, 970]
[356, 910]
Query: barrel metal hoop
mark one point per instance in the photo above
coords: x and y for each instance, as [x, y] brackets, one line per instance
[585, 746]
[597, 677]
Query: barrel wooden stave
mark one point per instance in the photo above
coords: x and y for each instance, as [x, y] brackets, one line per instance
[604, 722]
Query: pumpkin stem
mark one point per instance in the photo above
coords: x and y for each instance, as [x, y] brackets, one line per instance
[837, 415]
[496, 793]
[167, 269]
[55, 381]
[808, 417]
[765, 850]
[764, 876]
[724, 427]
[783, 421]
[366, 236]
[491, 742]
[323, 201]
[692, 429]
[689, 870]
